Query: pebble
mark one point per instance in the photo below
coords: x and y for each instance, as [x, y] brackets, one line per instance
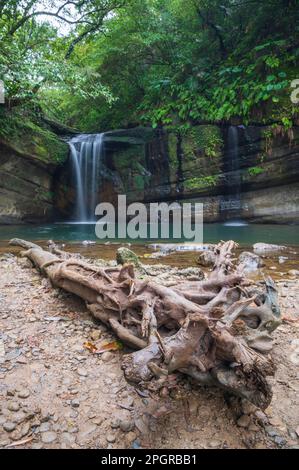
[130, 437]
[253, 427]
[95, 335]
[98, 421]
[111, 438]
[45, 416]
[15, 435]
[19, 417]
[67, 438]
[115, 423]
[107, 356]
[86, 430]
[24, 393]
[4, 443]
[215, 444]
[37, 445]
[271, 431]
[279, 440]
[262, 417]
[48, 437]
[2, 420]
[73, 429]
[248, 407]
[44, 427]
[9, 426]
[25, 429]
[243, 421]
[75, 403]
[126, 425]
[82, 372]
[13, 406]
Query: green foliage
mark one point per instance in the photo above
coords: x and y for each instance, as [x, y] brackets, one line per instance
[201, 182]
[255, 170]
[171, 63]
[29, 136]
[208, 138]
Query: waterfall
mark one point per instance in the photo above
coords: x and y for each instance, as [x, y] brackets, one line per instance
[87, 152]
[230, 204]
[233, 148]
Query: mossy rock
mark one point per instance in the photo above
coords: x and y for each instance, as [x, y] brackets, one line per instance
[31, 137]
[202, 182]
[126, 256]
[206, 140]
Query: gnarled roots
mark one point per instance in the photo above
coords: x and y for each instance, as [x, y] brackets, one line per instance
[217, 331]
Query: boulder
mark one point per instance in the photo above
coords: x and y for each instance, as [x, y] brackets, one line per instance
[206, 259]
[126, 256]
[250, 262]
[265, 248]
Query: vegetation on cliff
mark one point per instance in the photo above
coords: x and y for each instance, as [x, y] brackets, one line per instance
[29, 135]
[105, 64]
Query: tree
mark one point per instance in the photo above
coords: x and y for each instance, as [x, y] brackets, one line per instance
[159, 62]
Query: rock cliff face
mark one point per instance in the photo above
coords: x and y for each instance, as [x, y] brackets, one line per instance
[27, 171]
[249, 173]
[236, 172]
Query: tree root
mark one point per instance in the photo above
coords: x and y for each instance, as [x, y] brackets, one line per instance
[216, 331]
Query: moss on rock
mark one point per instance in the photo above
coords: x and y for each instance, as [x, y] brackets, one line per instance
[32, 138]
[206, 140]
[126, 256]
[201, 182]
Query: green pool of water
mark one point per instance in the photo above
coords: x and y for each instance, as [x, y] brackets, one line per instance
[213, 233]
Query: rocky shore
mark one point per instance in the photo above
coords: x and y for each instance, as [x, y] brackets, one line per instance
[54, 393]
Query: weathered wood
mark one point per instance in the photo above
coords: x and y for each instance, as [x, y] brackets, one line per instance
[216, 330]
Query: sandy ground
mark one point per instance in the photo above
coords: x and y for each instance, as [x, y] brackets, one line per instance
[54, 393]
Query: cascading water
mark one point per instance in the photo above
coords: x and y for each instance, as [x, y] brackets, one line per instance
[233, 148]
[87, 152]
[231, 204]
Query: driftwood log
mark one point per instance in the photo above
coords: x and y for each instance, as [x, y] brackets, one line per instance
[218, 331]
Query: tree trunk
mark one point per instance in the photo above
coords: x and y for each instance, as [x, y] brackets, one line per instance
[216, 331]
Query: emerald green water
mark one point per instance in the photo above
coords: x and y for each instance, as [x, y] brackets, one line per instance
[213, 233]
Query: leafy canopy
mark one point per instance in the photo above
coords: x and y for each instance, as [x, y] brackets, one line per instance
[103, 64]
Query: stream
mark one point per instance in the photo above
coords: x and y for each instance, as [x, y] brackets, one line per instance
[74, 237]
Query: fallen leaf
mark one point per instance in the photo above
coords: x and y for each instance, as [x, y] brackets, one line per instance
[113, 346]
[90, 346]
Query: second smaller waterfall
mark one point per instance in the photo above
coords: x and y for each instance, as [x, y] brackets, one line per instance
[87, 151]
